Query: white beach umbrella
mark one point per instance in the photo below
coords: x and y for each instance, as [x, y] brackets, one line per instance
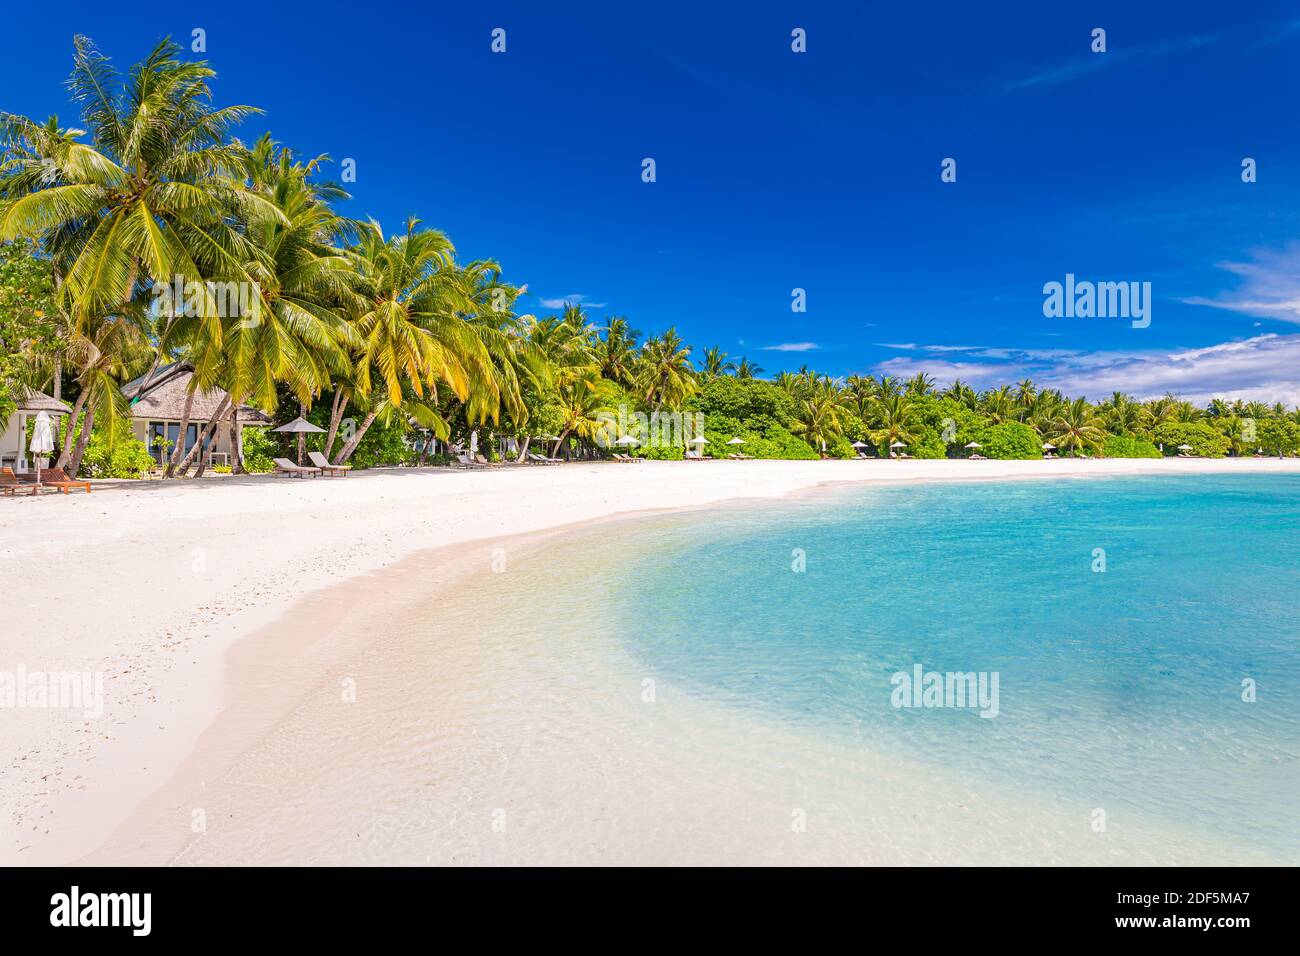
[736, 441]
[42, 442]
[1184, 447]
[859, 444]
[626, 440]
[1048, 446]
[898, 444]
[698, 440]
[973, 444]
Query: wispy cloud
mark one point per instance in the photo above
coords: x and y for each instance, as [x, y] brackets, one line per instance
[575, 299]
[792, 347]
[1270, 286]
[1280, 33]
[1092, 62]
[1264, 368]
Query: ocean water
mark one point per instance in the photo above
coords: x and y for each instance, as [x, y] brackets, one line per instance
[1125, 689]
[669, 689]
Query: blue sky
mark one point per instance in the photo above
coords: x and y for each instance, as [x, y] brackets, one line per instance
[819, 171]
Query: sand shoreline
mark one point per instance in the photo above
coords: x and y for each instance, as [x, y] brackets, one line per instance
[156, 586]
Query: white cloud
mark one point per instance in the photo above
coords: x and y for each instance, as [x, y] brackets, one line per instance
[1091, 62]
[1270, 286]
[1263, 368]
[575, 299]
[792, 347]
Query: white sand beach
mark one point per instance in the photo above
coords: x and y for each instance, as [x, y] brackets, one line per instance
[154, 584]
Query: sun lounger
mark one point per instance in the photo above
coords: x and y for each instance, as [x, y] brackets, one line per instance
[323, 463]
[466, 462]
[58, 478]
[693, 456]
[10, 484]
[283, 466]
[485, 463]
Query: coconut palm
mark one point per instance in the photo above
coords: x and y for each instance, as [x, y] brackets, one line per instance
[747, 370]
[412, 332]
[665, 376]
[820, 414]
[1077, 428]
[894, 418]
[616, 350]
[716, 364]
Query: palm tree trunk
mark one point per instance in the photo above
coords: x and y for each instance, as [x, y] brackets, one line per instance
[180, 438]
[336, 419]
[202, 437]
[351, 446]
[71, 428]
[523, 452]
[302, 436]
[236, 441]
[74, 466]
[560, 441]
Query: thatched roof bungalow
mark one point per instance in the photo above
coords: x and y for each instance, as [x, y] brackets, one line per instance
[158, 405]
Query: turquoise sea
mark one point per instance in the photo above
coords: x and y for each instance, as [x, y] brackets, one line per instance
[1126, 689]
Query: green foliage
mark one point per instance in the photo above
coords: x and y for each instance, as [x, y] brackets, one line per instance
[260, 446]
[842, 447]
[1010, 440]
[759, 405]
[115, 453]
[383, 444]
[27, 328]
[1126, 446]
[1206, 441]
[1278, 436]
[662, 452]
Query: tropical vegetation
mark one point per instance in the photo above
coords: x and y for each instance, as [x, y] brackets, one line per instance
[389, 341]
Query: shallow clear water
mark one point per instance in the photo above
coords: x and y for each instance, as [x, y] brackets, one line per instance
[1119, 689]
[667, 690]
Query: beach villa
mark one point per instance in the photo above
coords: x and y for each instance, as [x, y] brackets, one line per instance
[13, 443]
[158, 406]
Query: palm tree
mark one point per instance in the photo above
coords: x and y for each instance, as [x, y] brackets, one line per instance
[1077, 428]
[157, 195]
[412, 330]
[820, 415]
[959, 391]
[999, 405]
[920, 385]
[582, 399]
[716, 364]
[747, 370]
[895, 418]
[616, 350]
[665, 374]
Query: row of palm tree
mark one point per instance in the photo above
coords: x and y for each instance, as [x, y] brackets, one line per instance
[156, 190]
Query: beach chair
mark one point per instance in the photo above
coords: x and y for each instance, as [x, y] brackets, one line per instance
[283, 466]
[693, 456]
[58, 478]
[485, 463]
[323, 463]
[10, 484]
[466, 462]
[626, 459]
